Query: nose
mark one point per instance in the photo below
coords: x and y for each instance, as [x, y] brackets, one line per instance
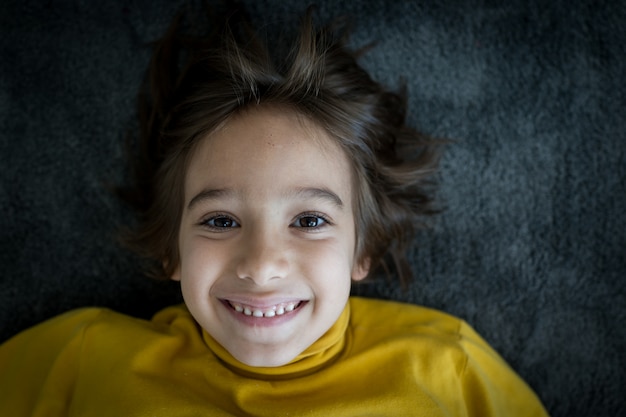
[263, 258]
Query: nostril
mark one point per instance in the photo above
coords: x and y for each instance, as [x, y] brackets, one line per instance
[263, 271]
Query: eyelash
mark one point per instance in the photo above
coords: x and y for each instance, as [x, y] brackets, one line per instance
[235, 224]
[319, 216]
[212, 227]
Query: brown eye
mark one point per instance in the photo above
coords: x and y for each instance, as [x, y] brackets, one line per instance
[220, 222]
[223, 222]
[309, 221]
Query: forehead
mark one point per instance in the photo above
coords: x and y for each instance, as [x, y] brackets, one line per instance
[267, 148]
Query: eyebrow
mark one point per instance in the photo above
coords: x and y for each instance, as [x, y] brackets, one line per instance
[210, 194]
[304, 193]
[317, 193]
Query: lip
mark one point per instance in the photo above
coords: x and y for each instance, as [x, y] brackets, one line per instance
[260, 303]
[264, 304]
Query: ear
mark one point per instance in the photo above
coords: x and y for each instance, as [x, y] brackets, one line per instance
[361, 269]
[175, 275]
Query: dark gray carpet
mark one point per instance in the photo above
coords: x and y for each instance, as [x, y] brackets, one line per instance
[531, 247]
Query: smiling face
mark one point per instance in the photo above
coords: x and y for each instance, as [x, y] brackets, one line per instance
[267, 236]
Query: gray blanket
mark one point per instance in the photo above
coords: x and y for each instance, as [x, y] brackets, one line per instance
[530, 249]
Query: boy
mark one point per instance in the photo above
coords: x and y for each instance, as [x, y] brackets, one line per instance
[266, 189]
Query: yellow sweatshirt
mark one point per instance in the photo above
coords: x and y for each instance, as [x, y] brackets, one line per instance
[379, 359]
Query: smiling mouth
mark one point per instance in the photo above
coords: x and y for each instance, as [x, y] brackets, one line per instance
[268, 312]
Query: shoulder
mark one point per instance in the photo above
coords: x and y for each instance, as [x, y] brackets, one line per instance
[437, 347]
[415, 328]
[95, 322]
[402, 317]
[98, 317]
[93, 335]
[103, 324]
[419, 335]
[62, 328]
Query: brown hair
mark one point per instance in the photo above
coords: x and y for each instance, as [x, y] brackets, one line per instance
[195, 83]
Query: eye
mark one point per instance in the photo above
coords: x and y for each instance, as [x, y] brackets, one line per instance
[310, 221]
[220, 222]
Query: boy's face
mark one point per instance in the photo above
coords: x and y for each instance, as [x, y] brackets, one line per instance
[267, 237]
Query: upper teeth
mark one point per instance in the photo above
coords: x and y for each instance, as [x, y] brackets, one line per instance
[272, 311]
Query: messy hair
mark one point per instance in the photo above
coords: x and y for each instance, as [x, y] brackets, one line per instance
[196, 83]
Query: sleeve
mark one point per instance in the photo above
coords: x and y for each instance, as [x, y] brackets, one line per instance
[490, 387]
[39, 367]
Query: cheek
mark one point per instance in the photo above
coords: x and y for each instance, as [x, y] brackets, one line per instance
[329, 265]
[201, 262]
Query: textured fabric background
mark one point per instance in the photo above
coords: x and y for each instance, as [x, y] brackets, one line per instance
[530, 249]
